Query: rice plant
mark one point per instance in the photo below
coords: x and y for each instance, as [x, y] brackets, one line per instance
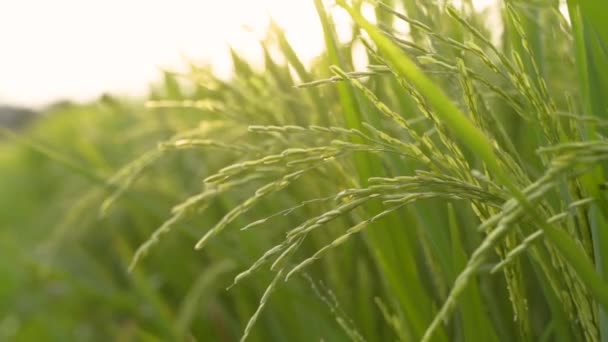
[453, 190]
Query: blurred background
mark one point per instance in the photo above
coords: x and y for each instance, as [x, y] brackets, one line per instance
[71, 49]
[77, 50]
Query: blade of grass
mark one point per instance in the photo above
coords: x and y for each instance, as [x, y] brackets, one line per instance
[303, 74]
[392, 246]
[476, 325]
[470, 136]
[590, 59]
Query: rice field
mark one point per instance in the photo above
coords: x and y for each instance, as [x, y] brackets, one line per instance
[439, 176]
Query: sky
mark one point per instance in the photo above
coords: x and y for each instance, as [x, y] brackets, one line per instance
[79, 49]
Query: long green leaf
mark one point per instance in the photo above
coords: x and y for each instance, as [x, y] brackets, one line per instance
[472, 137]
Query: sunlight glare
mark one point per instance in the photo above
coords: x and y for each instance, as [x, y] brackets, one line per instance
[76, 49]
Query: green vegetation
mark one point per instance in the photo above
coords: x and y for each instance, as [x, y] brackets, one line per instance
[454, 190]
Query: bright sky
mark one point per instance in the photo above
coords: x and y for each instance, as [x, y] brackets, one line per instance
[77, 49]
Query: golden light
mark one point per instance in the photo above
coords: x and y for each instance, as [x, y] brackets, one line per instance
[78, 49]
